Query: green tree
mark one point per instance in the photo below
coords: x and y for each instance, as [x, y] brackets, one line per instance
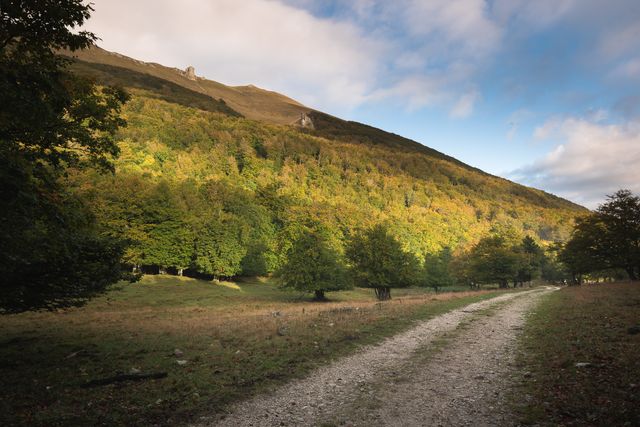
[54, 255]
[437, 273]
[312, 265]
[218, 247]
[378, 261]
[492, 260]
[585, 250]
[607, 239]
[48, 113]
[620, 215]
[170, 239]
[532, 258]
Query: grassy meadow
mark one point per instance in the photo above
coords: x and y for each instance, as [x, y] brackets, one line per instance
[236, 338]
[580, 358]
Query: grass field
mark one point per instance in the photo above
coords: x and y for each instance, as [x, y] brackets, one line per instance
[589, 324]
[236, 338]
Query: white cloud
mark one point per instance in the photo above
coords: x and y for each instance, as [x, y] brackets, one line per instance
[629, 69]
[619, 40]
[325, 63]
[337, 55]
[414, 91]
[591, 161]
[538, 13]
[464, 24]
[464, 107]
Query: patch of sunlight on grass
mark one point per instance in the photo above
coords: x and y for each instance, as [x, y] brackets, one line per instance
[230, 285]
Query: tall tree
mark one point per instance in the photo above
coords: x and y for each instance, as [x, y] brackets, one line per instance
[379, 262]
[218, 247]
[47, 113]
[607, 239]
[437, 273]
[170, 239]
[620, 215]
[492, 260]
[532, 257]
[53, 253]
[313, 266]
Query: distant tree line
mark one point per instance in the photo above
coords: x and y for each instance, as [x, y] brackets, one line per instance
[373, 258]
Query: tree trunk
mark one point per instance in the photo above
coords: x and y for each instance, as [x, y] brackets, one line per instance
[319, 295]
[180, 270]
[632, 274]
[383, 294]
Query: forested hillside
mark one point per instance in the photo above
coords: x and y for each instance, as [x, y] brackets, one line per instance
[199, 187]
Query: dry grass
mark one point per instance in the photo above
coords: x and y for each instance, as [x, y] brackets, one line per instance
[587, 324]
[237, 340]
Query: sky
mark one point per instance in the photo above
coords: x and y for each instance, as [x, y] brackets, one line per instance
[545, 93]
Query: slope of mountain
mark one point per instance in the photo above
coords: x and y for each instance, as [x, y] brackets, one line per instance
[220, 185]
[250, 101]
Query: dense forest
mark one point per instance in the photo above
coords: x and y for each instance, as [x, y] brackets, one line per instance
[109, 162]
[207, 192]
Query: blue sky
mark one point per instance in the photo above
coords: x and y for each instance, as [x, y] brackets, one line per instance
[545, 92]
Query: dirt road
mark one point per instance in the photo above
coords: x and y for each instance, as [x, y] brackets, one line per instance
[453, 370]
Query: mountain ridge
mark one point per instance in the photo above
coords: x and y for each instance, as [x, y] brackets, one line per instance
[263, 105]
[249, 100]
[201, 185]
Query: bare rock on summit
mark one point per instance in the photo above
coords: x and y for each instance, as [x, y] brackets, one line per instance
[305, 121]
[190, 73]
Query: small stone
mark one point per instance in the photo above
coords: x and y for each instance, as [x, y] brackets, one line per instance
[134, 371]
[181, 362]
[159, 401]
[178, 353]
[582, 365]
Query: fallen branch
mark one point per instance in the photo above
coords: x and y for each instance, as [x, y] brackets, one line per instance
[125, 377]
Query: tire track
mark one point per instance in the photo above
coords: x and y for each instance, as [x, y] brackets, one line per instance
[335, 393]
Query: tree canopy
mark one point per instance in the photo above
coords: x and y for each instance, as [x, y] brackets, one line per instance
[378, 261]
[54, 254]
[312, 265]
[437, 269]
[606, 239]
